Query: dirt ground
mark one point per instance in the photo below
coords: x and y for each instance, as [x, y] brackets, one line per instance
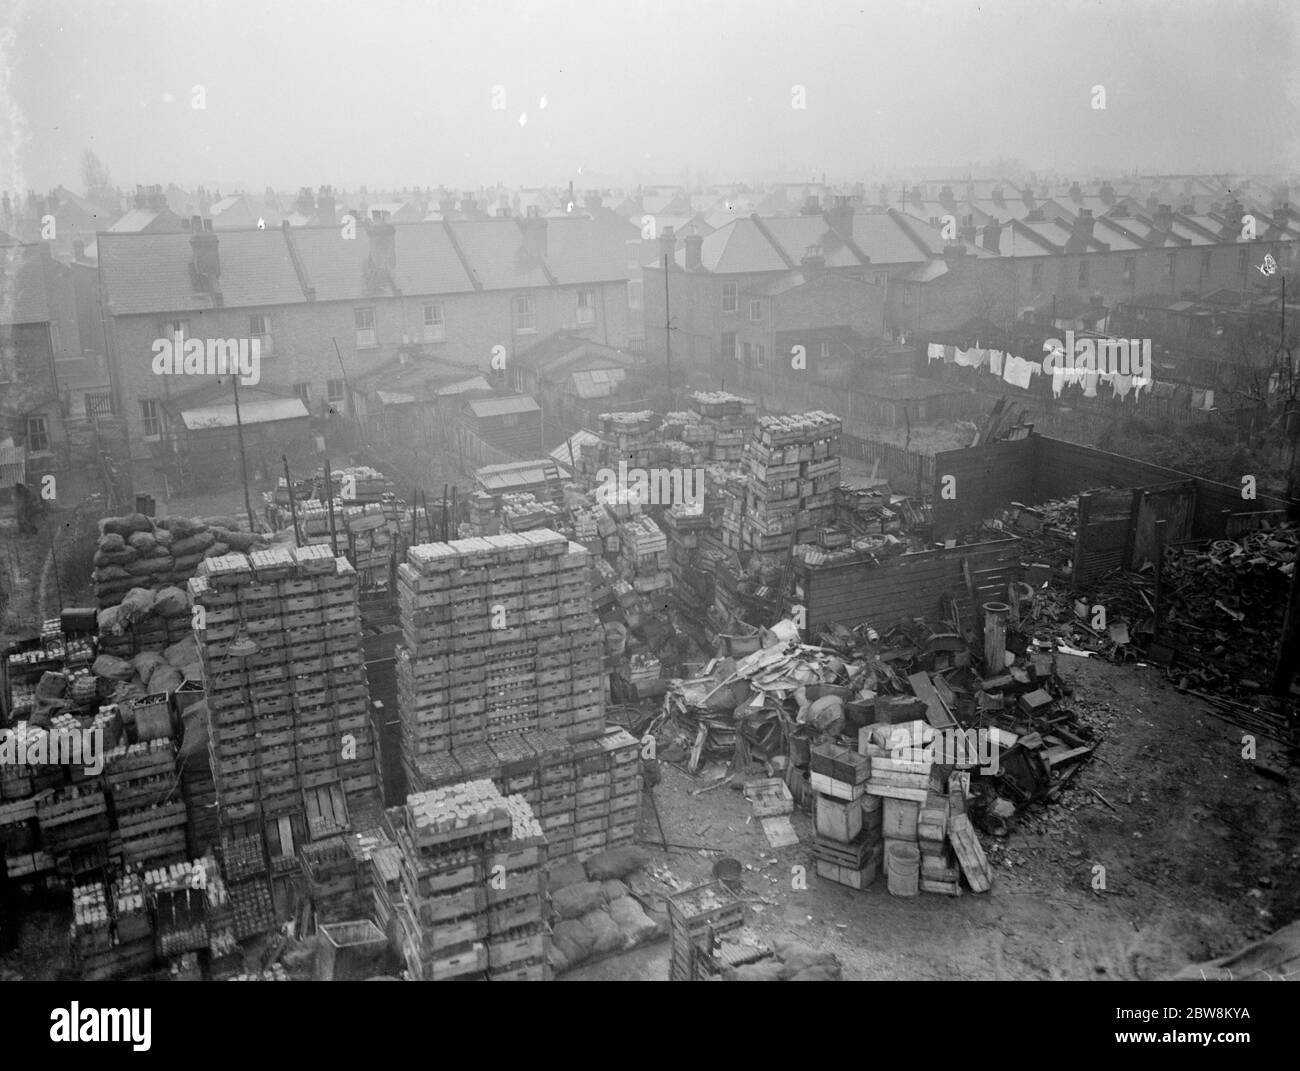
[1200, 853]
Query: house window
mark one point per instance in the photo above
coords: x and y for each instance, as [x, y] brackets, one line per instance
[1206, 258]
[259, 327]
[1172, 260]
[510, 420]
[38, 435]
[1130, 269]
[755, 311]
[634, 292]
[525, 314]
[303, 390]
[151, 418]
[335, 394]
[1036, 277]
[760, 356]
[367, 339]
[435, 327]
[586, 307]
[730, 297]
[1083, 273]
[633, 247]
[748, 352]
[729, 345]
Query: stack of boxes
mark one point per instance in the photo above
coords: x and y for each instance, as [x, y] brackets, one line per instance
[586, 796]
[939, 870]
[726, 421]
[643, 559]
[471, 885]
[499, 638]
[151, 817]
[620, 437]
[794, 468]
[293, 716]
[848, 848]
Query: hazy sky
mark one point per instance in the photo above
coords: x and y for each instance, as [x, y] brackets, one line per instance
[398, 92]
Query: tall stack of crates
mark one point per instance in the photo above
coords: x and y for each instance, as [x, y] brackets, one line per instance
[848, 847]
[643, 555]
[148, 807]
[697, 916]
[293, 716]
[728, 418]
[794, 467]
[499, 638]
[586, 795]
[471, 885]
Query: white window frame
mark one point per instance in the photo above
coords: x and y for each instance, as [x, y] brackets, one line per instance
[755, 311]
[434, 317]
[367, 337]
[525, 314]
[635, 293]
[760, 355]
[42, 422]
[731, 297]
[729, 352]
[151, 413]
[587, 311]
[339, 401]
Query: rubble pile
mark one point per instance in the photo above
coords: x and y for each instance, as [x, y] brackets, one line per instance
[136, 551]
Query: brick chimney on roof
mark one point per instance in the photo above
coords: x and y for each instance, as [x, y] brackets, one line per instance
[205, 246]
[811, 206]
[813, 262]
[1163, 220]
[694, 249]
[999, 198]
[1107, 194]
[325, 211]
[1076, 193]
[946, 199]
[383, 244]
[668, 245]
[534, 228]
[993, 235]
[839, 217]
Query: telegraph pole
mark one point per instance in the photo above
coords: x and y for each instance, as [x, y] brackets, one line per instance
[243, 460]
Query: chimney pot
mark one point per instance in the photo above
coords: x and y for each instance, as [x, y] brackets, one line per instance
[694, 248]
[993, 235]
[383, 244]
[534, 229]
[207, 258]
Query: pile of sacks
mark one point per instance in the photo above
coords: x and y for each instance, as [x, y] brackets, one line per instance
[792, 963]
[140, 552]
[144, 620]
[595, 913]
[149, 672]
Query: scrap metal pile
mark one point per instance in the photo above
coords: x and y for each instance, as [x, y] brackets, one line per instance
[1022, 739]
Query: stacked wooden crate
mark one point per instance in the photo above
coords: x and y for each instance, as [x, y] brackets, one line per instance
[696, 917]
[728, 419]
[557, 776]
[498, 638]
[442, 916]
[848, 848]
[643, 555]
[794, 468]
[148, 807]
[293, 716]
[517, 941]
[74, 819]
[902, 758]
[20, 840]
[623, 755]
[939, 870]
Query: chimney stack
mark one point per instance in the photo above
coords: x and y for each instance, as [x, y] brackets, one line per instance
[1163, 220]
[668, 245]
[1107, 194]
[946, 199]
[999, 198]
[811, 206]
[954, 251]
[140, 200]
[383, 244]
[694, 246]
[839, 217]
[534, 230]
[1081, 232]
[325, 210]
[968, 232]
[993, 235]
[1076, 193]
[207, 260]
[1153, 202]
[592, 201]
[78, 250]
[447, 205]
[813, 262]
[1028, 197]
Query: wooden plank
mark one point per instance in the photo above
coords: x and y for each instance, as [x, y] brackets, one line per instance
[970, 853]
[936, 713]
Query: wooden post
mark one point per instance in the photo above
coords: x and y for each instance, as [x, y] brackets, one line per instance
[293, 505]
[995, 637]
[1160, 569]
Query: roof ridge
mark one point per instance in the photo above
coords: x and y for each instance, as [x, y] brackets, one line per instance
[771, 238]
[299, 268]
[905, 225]
[470, 273]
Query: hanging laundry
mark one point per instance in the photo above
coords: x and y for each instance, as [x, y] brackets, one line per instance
[1058, 381]
[1120, 384]
[995, 362]
[1209, 399]
[949, 354]
[1198, 399]
[934, 352]
[1090, 385]
[1017, 372]
[959, 356]
[978, 357]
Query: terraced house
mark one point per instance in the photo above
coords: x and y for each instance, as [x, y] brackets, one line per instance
[329, 311]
